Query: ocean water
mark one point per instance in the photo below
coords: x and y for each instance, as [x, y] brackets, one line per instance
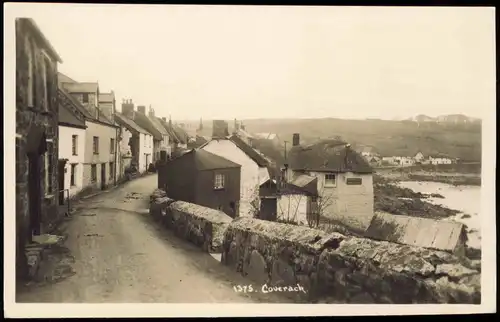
[466, 199]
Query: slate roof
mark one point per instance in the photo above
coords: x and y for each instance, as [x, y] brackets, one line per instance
[158, 125]
[129, 124]
[251, 152]
[202, 160]
[61, 78]
[199, 141]
[67, 117]
[169, 130]
[182, 136]
[74, 102]
[81, 87]
[270, 189]
[327, 155]
[417, 231]
[143, 121]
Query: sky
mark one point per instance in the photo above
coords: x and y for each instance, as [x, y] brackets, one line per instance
[211, 62]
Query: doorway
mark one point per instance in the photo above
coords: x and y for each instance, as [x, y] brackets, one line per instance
[61, 164]
[35, 194]
[103, 176]
[268, 209]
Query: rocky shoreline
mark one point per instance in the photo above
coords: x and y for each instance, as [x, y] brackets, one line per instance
[388, 198]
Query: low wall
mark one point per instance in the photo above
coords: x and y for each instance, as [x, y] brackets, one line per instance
[345, 269]
[199, 225]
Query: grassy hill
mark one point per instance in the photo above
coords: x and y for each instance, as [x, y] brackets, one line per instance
[404, 138]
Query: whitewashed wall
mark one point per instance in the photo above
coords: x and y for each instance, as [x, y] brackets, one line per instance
[66, 152]
[145, 148]
[251, 174]
[293, 208]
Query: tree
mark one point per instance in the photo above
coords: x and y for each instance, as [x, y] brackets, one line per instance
[319, 206]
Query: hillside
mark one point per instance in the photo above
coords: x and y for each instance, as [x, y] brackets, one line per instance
[404, 138]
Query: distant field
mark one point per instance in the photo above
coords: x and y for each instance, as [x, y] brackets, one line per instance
[403, 138]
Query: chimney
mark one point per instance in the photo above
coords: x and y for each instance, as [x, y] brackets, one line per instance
[128, 108]
[296, 139]
[220, 129]
[151, 111]
[141, 109]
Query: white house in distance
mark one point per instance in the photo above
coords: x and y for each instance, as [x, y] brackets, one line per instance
[254, 167]
[419, 157]
[439, 160]
[71, 144]
[135, 137]
[344, 181]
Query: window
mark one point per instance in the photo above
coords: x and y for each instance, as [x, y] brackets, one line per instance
[93, 173]
[219, 181]
[96, 145]
[353, 181]
[48, 168]
[74, 144]
[112, 146]
[45, 89]
[48, 83]
[330, 180]
[73, 175]
[111, 169]
[85, 97]
[30, 88]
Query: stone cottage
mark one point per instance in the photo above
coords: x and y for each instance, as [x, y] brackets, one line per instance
[100, 168]
[202, 178]
[136, 142]
[37, 136]
[254, 166]
[344, 180]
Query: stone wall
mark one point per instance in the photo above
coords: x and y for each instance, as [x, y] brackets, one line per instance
[340, 269]
[199, 225]
[36, 75]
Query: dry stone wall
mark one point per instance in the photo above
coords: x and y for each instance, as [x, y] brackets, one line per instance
[342, 269]
[199, 225]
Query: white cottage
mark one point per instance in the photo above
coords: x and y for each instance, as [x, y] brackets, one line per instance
[254, 167]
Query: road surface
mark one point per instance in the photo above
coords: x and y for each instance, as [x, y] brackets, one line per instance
[115, 253]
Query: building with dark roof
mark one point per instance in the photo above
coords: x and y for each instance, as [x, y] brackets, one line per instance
[202, 178]
[136, 144]
[254, 166]
[344, 180]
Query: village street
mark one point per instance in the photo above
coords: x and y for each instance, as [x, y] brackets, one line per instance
[114, 252]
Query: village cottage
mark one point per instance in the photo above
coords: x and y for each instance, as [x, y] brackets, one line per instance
[345, 180]
[37, 137]
[136, 141]
[202, 178]
[175, 142]
[102, 136]
[71, 144]
[254, 167]
[160, 138]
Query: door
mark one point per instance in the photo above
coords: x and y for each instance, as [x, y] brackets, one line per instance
[61, 164]
[268, 209]
[103, 176]
[35, 194]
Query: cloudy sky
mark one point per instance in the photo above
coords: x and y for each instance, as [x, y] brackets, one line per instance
[252, 62]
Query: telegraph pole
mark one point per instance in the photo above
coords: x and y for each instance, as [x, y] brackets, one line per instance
[285, 150]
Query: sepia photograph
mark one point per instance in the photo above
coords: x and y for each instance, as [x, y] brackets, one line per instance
[281, 160]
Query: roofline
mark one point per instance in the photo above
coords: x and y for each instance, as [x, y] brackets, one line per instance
[72, 125]
[331, 170]
[126, 125]
[101, 122]
[32, 24]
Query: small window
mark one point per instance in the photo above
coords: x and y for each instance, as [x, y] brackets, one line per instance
[73, 175]
[74, 144]
[95, 145]
[219, 181]
[93, 173]
[112, 146]
[85, 97]
[354, 181]
[330, 180]
[45, 89]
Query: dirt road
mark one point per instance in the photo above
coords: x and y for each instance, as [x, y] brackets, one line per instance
[115, 253]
